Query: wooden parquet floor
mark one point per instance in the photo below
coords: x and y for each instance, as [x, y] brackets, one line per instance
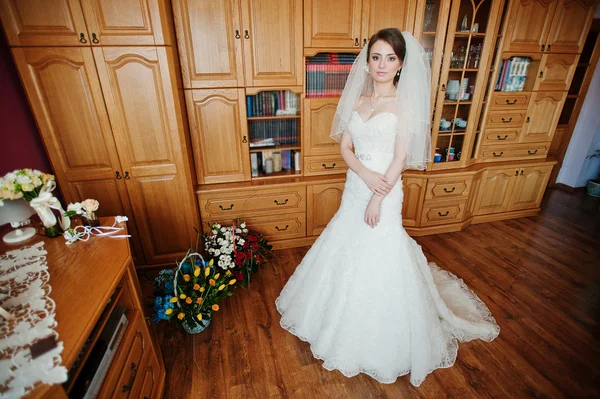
[539, 276]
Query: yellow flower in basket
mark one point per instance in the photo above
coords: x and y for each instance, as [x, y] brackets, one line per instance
[217, 276]
[232, 281]
[168, 311]
[201, 289]
[199, 317]
[206, 272]
[197, 272]
[173, 300]
[221, 287]
[182, 296]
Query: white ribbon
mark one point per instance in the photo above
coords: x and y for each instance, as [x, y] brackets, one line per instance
[45, 202]
[83, 233]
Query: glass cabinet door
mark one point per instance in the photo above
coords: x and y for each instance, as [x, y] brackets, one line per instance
[470, 40]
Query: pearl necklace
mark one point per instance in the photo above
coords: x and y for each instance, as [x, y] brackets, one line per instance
[377, 104]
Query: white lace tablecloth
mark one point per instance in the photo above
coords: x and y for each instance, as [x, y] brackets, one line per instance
[25, 293]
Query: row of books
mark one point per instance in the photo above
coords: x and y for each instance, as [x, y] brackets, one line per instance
[326, 74]
[272, 103]
[513, 74]
[281, 131]
[273, 161]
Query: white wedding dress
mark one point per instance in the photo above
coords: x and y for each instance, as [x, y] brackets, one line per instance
[366, 299]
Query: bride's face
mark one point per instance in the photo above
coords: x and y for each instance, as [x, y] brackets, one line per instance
[383, 62]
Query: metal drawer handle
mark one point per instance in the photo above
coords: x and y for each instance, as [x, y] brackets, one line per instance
[543, 47]
[498, 155]
[445, 214]
[451, 191]
[364, 42]
[549, 47]
[531, 153]
[246, 35]
[127, 177]
[507, 121]
[329, 167]
[131, 380]
[237, 34]
[95, 38]
[522, 170]
[244, 139]
[82, 38]
[511, 102]
[284, 229]
[500, 138]
[118, 175]
[356, 43]
[226, 209]
[281, 203]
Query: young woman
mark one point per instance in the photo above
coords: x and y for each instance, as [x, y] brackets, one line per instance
[364, 296]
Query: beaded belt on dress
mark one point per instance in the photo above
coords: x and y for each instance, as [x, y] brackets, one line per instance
[363, 157]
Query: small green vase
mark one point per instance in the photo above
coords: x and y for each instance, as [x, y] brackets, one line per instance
[54, 231]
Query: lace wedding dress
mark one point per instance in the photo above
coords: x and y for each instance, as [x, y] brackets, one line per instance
[366, 299]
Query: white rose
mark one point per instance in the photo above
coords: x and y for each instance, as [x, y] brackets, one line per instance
[36, 181]
[241, 241]
[214, 231]
[245, 230]
[243, 225]
[23, 179]
[217, 252]
[37, 173]
[10, 176]
[90, 205]
[27, 187]
[223, 229]
[75, 207]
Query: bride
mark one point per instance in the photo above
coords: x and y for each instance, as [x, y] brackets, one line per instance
[364, 296]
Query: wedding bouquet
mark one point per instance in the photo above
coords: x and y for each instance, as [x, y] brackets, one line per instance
[36, 188]
[237, 248]
[190, 293]
[86, 209]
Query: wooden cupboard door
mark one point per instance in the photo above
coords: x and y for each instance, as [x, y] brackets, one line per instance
[273, 50]
[219, 134]
[67, 103]
[209, 27]
[414, 192]
[495, 192]
[528, 25]
[380, 14]
[529, 187]
[323, 202]
[570, 25]
[542, 116]
[150, 378]
[332, 23]
[556, 72]
[139, 86]
[127, 22]
[318, 117]
[44, 23]
[471, 201]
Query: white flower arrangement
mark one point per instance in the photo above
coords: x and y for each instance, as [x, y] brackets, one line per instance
[23, 183]
[86, 208]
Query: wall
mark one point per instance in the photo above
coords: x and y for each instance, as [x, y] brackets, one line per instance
[20, 141]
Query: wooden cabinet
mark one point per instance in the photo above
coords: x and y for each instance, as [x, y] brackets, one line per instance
[267, 32]
[414, 191]
[542, 116]
[559, 26]
[139, 86]
[323, 202]
[556, 72]
[86, 22]
[318, 118]
[337, 23]
[218, 130]
[512, 189]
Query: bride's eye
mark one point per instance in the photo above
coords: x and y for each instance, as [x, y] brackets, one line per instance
[392, 59]
[374, 58]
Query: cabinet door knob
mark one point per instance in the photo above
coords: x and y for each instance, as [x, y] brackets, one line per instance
[445, 214]
[237, 34]
[517, 172]
[522, 170]
[528, 119]
[364, 41]
[131, 380]
[328, 167]
[543, 47]
[498, 155]
[549, 47]
[443, 87]
[82, 39]
[118, 175]
[244, 139]
[127, 177]
[281, 203]
[502, 138]
[541, 74]
[511, 102]
[507, 120]
[95, 38]
[532, 152]
[246, 34]
[356, 43]
[284, 229]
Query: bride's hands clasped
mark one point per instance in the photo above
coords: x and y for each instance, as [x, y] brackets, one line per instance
[373, 211]
[376, 182]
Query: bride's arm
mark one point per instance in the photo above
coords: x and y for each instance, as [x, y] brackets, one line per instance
[394, 171]
[376, 182]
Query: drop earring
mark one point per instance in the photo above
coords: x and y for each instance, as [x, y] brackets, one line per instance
[398, 73]
[367, 70]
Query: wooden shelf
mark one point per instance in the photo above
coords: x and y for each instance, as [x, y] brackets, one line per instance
[458, 102]
[464, 69]
[276, 148]
[467, 34]
[264, 118]
[276, 175]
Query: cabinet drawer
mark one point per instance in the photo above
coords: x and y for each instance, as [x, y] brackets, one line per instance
[436, 213]
[122, 377]
[502, 101]
[324, 165]
[518, 151]
[503, 119]
[447, 188]
[500, 136]
[274, 227]
[219, 205]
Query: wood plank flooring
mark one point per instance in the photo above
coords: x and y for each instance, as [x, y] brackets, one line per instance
[539, 276]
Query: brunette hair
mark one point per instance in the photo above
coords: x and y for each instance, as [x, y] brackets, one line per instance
[394, 38]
